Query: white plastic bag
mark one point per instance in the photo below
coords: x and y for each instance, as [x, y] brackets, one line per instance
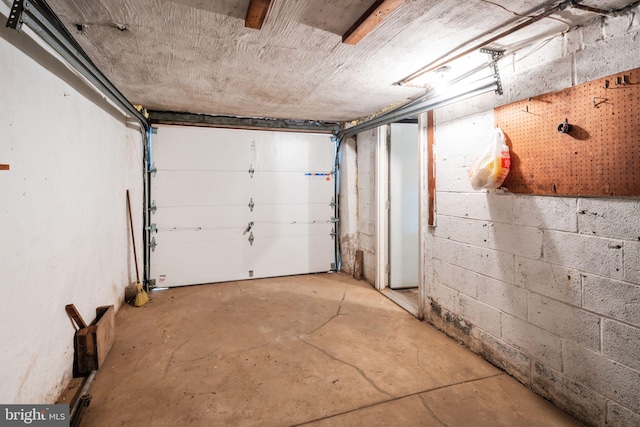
[492, 165]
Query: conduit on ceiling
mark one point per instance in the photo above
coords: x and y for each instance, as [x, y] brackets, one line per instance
[462, 51]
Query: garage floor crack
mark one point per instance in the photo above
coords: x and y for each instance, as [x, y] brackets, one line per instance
[360, 371]
[338, 313]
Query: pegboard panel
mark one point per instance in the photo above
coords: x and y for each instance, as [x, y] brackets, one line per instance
[599, 156]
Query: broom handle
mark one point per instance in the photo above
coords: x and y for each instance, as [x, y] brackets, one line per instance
[133, 238]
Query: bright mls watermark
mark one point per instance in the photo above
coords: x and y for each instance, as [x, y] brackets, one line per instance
[34, 415]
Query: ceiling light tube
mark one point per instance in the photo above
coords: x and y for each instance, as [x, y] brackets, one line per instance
[411, 110]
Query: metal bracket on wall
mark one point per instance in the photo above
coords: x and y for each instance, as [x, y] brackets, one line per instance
[495, 56]
[15, 16]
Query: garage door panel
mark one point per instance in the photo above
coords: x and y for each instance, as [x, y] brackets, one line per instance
[191, 263]
[276, 258]
[287, 153]
[291, 188]
[196, 188]
[269, 230]
[224, 149]
[201, 217]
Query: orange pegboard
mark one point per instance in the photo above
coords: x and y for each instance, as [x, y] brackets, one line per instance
[600, 156]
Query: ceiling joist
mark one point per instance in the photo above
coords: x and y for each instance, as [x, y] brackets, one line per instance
[369, 20]
[256, 13]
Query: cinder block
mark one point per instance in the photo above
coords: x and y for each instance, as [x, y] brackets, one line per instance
[618, 416]
[554, 75]
[481, 315]
[565, 321]
[452, 252]
[593, 32]
[449, 159]
[455, 277]
[472, 232]
[536, 57]
[622, 343]
[518, 240]
[550, 213]
[611, 298]
[498, 265]
[550, 280]
[444, 296]
[504, 356]
[503, 296]
[453, 179]
[610, 218]
[585, 253]
[536, 342]
[602, 58]
[572, 397]
[479, 206]
[613, 380]
[632, 262]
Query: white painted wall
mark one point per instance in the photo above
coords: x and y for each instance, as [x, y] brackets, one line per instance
[64, 236]
[547, 288]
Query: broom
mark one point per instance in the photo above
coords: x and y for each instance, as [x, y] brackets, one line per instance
[141, 295]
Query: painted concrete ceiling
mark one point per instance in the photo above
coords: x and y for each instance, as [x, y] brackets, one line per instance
[197, 56]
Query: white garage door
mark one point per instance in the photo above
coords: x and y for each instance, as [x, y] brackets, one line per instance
[239, 204]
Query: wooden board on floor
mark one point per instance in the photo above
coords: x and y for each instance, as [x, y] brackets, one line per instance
[94, 342]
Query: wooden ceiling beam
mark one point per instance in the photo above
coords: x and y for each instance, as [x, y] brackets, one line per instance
[256, 13]
[370, 19]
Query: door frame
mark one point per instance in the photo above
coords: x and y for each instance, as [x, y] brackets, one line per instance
[382, 215]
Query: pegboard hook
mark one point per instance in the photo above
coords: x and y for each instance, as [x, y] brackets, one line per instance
[564, 127]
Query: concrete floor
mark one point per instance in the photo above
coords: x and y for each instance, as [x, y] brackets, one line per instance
[318, 350]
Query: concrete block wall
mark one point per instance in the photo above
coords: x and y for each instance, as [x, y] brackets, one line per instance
[64, 233]
[366, 218]
[348, 204]
[547, 288]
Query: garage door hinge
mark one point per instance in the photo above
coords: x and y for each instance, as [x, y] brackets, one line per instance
[251, 204]
[333, 233]
[153, 208]
[153, 244]
[152, 228]
[387, 205]
[333, 202]
[153, 170]
[387, 269]
[15, 16]
[334, 220]
[251, 171]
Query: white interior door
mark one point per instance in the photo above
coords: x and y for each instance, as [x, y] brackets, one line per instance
[211, 184]
[403, 213]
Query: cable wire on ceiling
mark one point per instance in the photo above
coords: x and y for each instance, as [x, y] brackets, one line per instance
[462, 51]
